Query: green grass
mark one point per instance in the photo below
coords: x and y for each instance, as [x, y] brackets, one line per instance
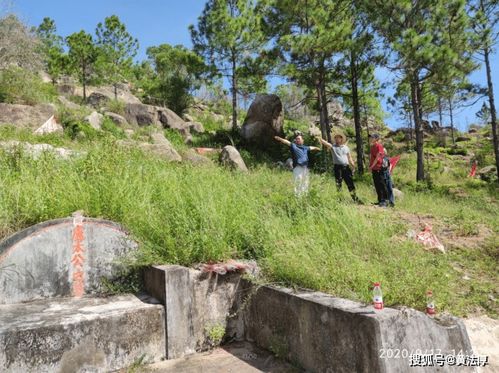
[185, 214]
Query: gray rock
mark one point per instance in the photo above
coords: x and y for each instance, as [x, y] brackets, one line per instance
[231, 158]
[116, 118]
[398, 193]
[66, 86]
[472, 130]
[36, 150]
[24, 115]
[106, 93]
[169, 119]
[196, 159]
[487, 170]
[264, 120]
[189, 118]
[141, 115]
[195, 127]
[50, 126]
[97, 100]
[162, 148]
[462, 138]
[68, 104]
[95, 120]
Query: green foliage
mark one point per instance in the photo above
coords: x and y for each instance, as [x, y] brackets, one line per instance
[116, 51]
[457, 151]
[116, 106]
[109, 126]
[215, 334]
[18, 86]
[82, 56]
[177, 72]
[229, 37]
[56, 60]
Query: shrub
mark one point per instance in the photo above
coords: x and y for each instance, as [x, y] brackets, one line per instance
[18, 86]
[116, 106]
[457, 151]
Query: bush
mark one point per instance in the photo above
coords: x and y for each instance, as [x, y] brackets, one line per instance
[457, 151]
[109, 126]
[18, 86]
[116, 106]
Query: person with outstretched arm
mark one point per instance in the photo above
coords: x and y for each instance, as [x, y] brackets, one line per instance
[300, 155]
[343, 163]
[376, 166]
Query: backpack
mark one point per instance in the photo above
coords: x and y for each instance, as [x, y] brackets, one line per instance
[385, 163]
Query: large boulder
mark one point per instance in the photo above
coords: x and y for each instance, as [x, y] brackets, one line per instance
[141, 115]
[68, 104]
[264, 120]
[231, 158]
[97, 100]
[487, 173]
[66, 86]
[24, 115]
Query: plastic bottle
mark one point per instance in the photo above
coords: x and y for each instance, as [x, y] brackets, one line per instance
[430, 304]
[377, 297]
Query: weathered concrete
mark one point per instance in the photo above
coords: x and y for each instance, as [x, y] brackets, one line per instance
[312, 330]
[80, 335]
[236, 357]
[62, 257]
[195, 304]
[326, 334]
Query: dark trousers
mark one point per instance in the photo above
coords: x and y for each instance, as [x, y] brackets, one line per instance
[343, 173]
[389, 186]
[380, 185]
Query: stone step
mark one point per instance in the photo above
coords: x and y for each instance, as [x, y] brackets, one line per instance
[240, 357]
[86, 334]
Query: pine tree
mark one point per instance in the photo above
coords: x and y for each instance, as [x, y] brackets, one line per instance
[55, 59]
[227, 34]
[82, 56]
[117, 49]
[485, 22]
[308, 35]
[417, 31]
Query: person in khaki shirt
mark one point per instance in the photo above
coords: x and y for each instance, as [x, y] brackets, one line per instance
[342, 162]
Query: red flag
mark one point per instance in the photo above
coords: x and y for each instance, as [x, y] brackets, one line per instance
[393, 162]
[473, 169]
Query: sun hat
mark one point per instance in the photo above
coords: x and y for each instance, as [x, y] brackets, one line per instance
[343, 137]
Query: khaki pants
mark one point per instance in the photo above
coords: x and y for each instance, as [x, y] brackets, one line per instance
[301, 180]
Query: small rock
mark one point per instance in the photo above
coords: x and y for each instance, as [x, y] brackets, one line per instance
[95, 120]
[68, 104]
[50, 126]
[230, 157]
[398, 193]
[462, 138]
[116, 118]
[191, 156]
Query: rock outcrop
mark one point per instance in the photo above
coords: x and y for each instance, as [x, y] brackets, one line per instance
[36, 150]
[95, 120]
[50, 126]
[231, 158]
[264, 120]
[116, 118]
[24, 115]
[162, 148]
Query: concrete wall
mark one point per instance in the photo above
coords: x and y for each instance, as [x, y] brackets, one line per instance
[314, 330]
[195, 304]
[63, 257]
[71, 335]
[325, 334]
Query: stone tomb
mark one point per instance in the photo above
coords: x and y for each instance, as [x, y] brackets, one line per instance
[51, 316]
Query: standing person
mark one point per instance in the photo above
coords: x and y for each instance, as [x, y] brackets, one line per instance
[376, 166]
[342, 161]
[300, 155]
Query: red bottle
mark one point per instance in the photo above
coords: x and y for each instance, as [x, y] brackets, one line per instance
[430, 304]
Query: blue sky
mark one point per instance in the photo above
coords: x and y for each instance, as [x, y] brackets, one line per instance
[155, 22]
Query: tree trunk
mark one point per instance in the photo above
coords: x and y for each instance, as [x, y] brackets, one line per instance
[234, 94]
[493, 114]
[321, 112]
[356, 114]
[416, 108]
[84, 82]
[440, 116]
[324, 108]
[451, 114]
